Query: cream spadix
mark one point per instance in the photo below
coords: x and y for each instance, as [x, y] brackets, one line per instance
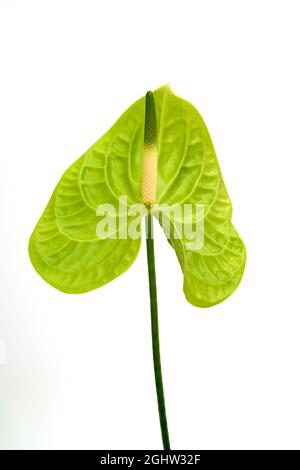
[150, 152]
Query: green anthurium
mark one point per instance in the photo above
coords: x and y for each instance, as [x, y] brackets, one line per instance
[64, 247]
[157, 160]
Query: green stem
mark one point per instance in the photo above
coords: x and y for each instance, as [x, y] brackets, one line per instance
[155, 334]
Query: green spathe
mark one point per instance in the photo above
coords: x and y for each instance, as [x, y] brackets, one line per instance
[64, 248]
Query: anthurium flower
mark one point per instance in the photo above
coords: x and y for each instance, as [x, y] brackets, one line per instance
[65, 248]
[156, 160]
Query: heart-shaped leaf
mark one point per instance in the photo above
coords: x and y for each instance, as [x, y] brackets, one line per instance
[65, 248]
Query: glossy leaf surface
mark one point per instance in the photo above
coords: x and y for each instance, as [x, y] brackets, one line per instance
[64, 247]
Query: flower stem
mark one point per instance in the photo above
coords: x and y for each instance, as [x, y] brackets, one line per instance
[155, 333]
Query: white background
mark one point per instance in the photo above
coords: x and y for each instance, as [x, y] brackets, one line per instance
[78, 369]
